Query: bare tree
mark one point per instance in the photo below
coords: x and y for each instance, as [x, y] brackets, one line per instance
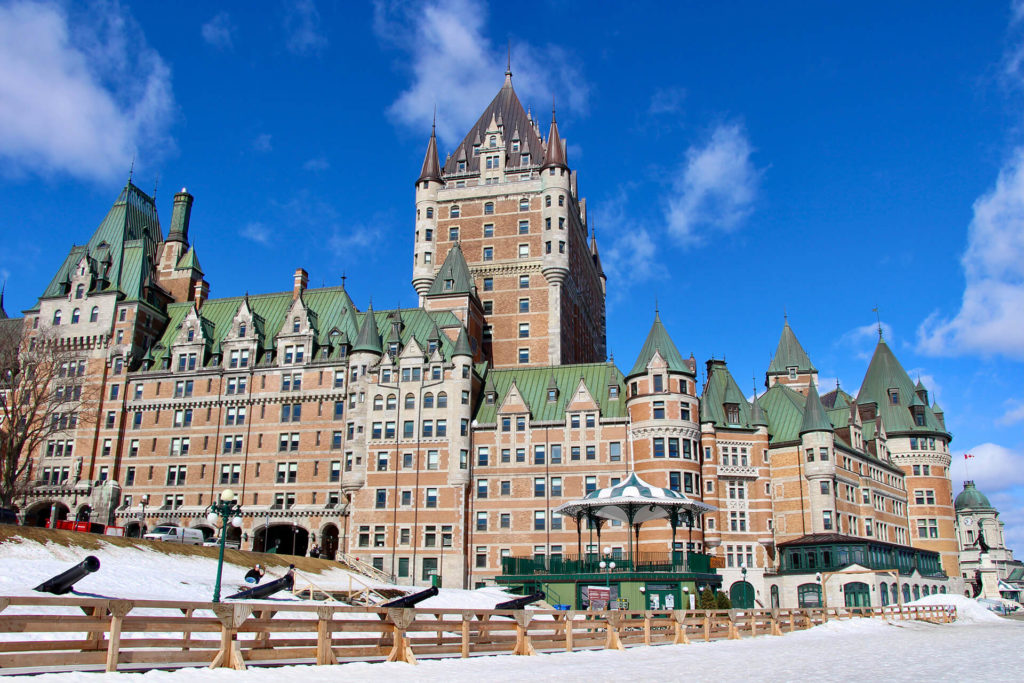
[43, 387]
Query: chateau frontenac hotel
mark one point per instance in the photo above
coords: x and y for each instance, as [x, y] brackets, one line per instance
[438, 440]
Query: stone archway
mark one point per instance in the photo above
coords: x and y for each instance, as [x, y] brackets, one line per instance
[133, 529]
[741, 594]
[40, 514]
[84, 513]
[208, 531]
[283, 538]
[329, 541]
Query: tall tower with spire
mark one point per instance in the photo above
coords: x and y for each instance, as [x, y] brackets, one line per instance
[508, 198]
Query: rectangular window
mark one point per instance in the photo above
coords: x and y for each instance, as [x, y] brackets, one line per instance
[488, 253]
[431, 498]
[659, 447]
[539, 520]
[538, 455]
[615, 451]
[483, 454]
[589, 484]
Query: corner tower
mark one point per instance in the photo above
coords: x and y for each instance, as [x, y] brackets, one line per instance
[508, 198]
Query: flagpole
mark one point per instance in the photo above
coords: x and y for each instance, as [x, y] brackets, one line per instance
[967, 473]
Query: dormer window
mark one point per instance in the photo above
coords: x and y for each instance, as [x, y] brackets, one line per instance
[613, 391]
[525, 160]
[455, 212]
[79, 291]
[393, 348]
[449, 285]
[490, 398]
[431, 347]
[552, 395]
[894, 396]
[919, 416]
[295, 324]
[94, 314]
[241, 330]
[732, 413]
[191, 336]
[476, 150]
[659, 383]
[493, 141]
[792, 372]
[462, 166]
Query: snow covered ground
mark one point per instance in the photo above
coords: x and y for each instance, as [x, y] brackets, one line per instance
[979, 647]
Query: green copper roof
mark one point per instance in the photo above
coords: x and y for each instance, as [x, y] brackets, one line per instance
[757, 416]
[453, 277]
[814, 419]
[719, 390]
[885, 374]
[971, 499]
[189, 260]
[785, 409]
[533, 387]
[658, 340]
[368, 338]
[462, 347]
[120, 248]
[789, 354]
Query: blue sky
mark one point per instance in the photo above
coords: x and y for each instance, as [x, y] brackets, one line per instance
[739, 159]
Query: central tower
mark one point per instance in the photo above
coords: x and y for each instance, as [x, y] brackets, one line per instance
[509, 198]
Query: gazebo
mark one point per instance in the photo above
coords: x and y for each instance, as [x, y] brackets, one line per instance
[632, 502]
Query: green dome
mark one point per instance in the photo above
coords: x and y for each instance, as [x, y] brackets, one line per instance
[971, 499]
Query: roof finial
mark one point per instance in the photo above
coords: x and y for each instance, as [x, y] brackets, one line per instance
[343, 278]
[878, 317]
[656, 311]
[156, 184]
[131, 169]
[508, 67]
[433, 126]
[552, 109]
[785, 315]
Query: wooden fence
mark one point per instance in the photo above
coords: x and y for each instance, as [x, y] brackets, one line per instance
[98, 634]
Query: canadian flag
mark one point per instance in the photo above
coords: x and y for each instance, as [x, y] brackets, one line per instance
[967, 456]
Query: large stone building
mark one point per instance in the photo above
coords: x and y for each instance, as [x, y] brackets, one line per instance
[439, 439]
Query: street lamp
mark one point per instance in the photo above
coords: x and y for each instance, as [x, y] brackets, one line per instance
[142, 520]
[226, 511]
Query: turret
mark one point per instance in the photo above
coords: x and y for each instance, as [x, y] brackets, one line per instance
[790, 365]
[180, 216]
[428, 185]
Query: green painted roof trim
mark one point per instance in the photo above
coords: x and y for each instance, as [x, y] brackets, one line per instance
[453, 277]
[533, 384]
[659, 341]
[789, 353]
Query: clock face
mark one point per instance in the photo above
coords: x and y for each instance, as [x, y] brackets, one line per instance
[968, 521]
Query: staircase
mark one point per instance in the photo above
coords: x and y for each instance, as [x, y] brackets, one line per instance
[358, 565]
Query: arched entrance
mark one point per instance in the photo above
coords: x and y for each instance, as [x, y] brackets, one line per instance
[41, 513]
[775, 596]
[84, 514]
[284, 539]
[329, 542]
[858, 594]
[208, 531]
[742, 595]
[133, 529]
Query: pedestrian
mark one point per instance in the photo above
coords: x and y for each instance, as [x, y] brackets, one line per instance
[274, 549]
[315, 552]
[255, 574]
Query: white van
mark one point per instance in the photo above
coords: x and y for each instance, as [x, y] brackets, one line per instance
[175, 534]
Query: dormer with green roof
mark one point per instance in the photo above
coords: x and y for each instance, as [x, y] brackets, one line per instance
[722, 404]
[888, 391]
[790, 365]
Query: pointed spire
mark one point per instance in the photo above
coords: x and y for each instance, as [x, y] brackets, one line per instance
[757, 417]
[3, 290]
[462, 347]
[814, 414]
[554, 157]
[431, 166]
[789, 353]
[368, 338]
[453, 276]
[659, 341]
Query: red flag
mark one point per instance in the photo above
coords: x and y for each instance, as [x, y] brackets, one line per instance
[967, 456]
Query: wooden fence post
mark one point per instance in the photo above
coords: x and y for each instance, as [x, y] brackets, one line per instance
[570, 619]
[118, 608]
[734, 633]
[612, 642]
[774, 628]
[523, 644]
[707, 626]
[324, 635]
[466, 617]
[647, 628]
[94, 639]
[680, 637]
[400, 618]
[231, 618]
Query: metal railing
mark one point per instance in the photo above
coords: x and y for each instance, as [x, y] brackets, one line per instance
[590, 563]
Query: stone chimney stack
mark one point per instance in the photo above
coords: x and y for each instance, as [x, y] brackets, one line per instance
[180, 216]
[299, 286]
[200, 292]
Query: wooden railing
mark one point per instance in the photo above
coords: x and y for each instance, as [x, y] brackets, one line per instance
[145, 634]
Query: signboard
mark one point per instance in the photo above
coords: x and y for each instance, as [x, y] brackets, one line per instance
[599, 596]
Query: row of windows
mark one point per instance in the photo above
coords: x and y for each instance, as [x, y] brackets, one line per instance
[76, 315]
[551, 453]
[391, 401]
[524, 303]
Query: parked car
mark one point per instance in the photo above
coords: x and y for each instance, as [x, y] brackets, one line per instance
[214, 542]
[175, 534]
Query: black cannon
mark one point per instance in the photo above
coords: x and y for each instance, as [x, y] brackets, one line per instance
[520, 603]
[412, 599]
[64, 582]
[284, 583]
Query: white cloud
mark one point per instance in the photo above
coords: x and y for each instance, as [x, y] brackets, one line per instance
[302, 28]
[993, 468]
[929, 381]
[667, 101]
[458, 69]
[714, 189]
[219, 31]
[343, 241]
[862, 340]
[634, 254]
[263, 142]
[256, 232]
[991, 316]
[317, 164]
[79, 94]
[1014, 412]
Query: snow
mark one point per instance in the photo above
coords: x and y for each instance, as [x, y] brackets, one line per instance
[980, 646]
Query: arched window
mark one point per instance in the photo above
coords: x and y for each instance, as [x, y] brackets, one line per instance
[489, 209]
[561, 200]
[430, 212]
[94, 314]
[524, 204]
[295, 324]
[942, 589]
[79, 291]
[56, 317]
[455, 211]
[75, 314]
[906, 592]
[493, 141]
[883, 592]
[392, 402]
[809, 595]
[442, 400]
[378, 402]
[917, 592]
[241, 330]
[191, 334]
[410, 401]
[428, 400]
[547, 200]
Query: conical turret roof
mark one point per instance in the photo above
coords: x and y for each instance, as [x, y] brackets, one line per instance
[368, 338]
[453, 276]
[554, 156]
[757, 416]
[815, 419]
[658, 340]
[431, 166]
[889, 387]
[462, 347]
[789, 353]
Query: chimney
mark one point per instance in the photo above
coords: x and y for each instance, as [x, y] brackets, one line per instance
[199, 293]
[299, 286]
[180, 216]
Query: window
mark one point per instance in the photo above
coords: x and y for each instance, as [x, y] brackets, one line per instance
[659, 447]
[524, 330]
[489, 209]
[659, 410]
[481, 521]
[488, 229]
[75, 316]
[455, 212]
[183, 418]
[481, 488]
[453, 234]
[56, 317]
[176, 475]
[431, 498]
[524, 355]
[179, 446]
[524, 204]
[589, 484]
[488, 284]
[539, 520]
[826, 520]
[94, 314]
[482, 456]
[488, 253]
[287, 472]
[524, 251]
[615, 451]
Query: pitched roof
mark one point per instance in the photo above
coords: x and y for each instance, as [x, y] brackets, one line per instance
[189, 260]
[462, 347]
[533, 383]
[658, 340]
[453, 277]
[431, 167]
[814, 419]
[555, 154]
[789, 353]
[368, 338]
[885, 373]
[757, 416]
[719, 389]
[506, 108]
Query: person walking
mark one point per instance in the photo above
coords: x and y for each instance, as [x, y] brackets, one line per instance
[315, 552]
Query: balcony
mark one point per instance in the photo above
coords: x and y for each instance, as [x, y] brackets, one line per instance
[738, 471]
[590, 563]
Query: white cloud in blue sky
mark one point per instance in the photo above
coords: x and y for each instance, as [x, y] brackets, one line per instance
[82, 96]
[219, 31]
[303, 32]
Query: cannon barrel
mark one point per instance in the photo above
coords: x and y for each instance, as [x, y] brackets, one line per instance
[519, 603]
[63, 582]
[412, 599]
[284, 583]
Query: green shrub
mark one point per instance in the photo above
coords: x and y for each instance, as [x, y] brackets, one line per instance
[722, 601]
[706, 600]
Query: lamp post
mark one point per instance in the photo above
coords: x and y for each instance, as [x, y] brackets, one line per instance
[142, 520]
[225, 511]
